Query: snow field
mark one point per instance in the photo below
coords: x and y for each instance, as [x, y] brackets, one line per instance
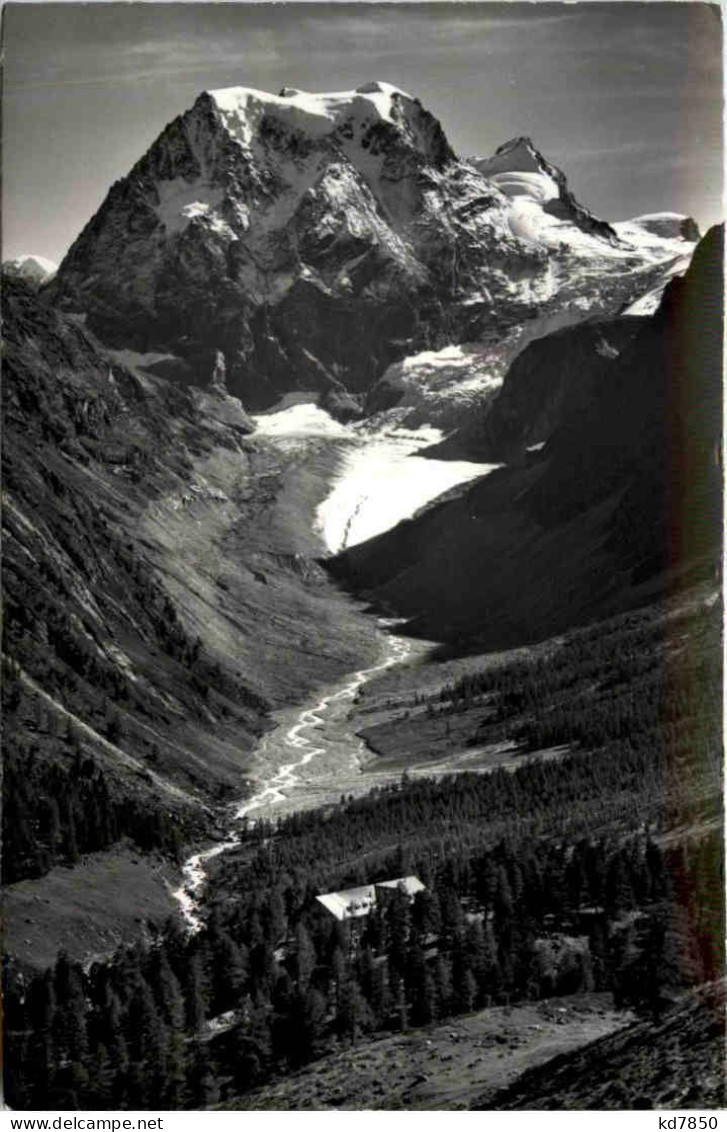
[383, 482]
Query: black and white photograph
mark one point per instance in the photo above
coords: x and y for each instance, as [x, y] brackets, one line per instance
[362, 544]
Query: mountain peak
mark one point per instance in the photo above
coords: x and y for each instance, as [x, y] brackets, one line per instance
[519, 169]
[34, 269]
[316, 238]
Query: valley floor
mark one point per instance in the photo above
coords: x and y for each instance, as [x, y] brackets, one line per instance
[239, 552]
[236, 546]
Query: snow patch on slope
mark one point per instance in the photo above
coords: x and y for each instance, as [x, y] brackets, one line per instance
[657, 234]
[139, 363]
[180, 202]
[444, 386]
[530, 222]
[648, 302]
[668, 225]
[464, 369]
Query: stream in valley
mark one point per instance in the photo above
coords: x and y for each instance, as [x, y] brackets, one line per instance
[321, 745]
[313, 755]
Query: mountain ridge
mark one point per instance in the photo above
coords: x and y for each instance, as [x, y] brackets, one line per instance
[519, 155]
[316, 239]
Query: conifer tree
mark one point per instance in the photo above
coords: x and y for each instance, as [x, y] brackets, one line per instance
[443, 985]
[353, 1016]
[305, 957]
[204, 1091]
[196, 997]
[167, 991]
[175, 1078]
[419, 990]
[147, 1042]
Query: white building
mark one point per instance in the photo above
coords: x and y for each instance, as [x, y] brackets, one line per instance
[352, 903]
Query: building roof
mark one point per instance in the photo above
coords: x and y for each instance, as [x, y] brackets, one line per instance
[410, 885]
[354, 902]
[350, 903]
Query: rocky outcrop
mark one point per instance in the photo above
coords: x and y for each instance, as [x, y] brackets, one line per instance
[317, 239]
[551, 378]
[342, 406]
[214, 403]
[218, 380]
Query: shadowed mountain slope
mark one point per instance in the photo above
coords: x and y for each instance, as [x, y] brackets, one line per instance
[625, 497]
[551, 379]
[160, 596]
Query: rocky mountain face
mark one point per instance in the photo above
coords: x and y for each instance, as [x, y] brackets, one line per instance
[623, 499]
[162, 588]
[164, 595]
[161, 597]
[552, 377]
[316, 239]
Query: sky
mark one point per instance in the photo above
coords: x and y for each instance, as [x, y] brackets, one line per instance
[625, 97]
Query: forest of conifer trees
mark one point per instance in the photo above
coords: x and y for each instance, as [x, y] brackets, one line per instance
[559, 877]
[272, 982]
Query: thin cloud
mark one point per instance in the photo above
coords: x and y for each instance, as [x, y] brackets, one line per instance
[140, 62]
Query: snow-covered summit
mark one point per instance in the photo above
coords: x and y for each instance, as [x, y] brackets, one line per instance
[666, 225]
[315, 114]
[517, 155]
[32, 268]
[518, 169]
[365, 124]
[523, 174]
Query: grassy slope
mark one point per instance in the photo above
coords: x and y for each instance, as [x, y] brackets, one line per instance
[90, 908]
[676, 1062]
[444, 1066]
